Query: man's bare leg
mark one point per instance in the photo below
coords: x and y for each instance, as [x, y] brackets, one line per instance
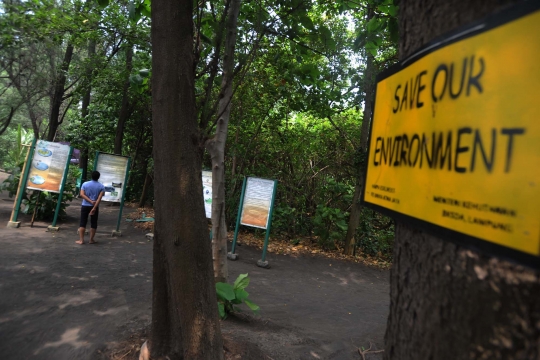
[81, 236]
[92, 234]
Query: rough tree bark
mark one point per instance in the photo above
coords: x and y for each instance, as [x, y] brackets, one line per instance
[124, 109]
[216, 149]
[59, 90]
[448, 302]
[185, 321]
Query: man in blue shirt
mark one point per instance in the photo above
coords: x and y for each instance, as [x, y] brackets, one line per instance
[91, 193]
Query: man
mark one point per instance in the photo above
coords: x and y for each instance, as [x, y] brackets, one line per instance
[91, 193]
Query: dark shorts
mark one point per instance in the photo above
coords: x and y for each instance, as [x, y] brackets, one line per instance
[85, 211]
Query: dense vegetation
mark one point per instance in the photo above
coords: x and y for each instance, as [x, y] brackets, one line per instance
[80, 71]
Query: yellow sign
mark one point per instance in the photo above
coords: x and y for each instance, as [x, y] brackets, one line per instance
[455, 137]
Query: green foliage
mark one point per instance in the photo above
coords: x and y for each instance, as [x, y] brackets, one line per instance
[330, 225]
[15, 147]
[299, 85]
[230, 295]
[375, 235]
[11, 184]
[73, 174]
[46, 206]
[48, 201]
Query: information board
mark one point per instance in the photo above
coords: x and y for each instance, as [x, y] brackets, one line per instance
[113, 170]
[48, 166]
[207, 193]
[257, 202]
[455, 138]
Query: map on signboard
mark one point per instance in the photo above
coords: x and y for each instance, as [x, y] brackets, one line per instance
[257, 202]
[455, 139]
[207, 193]
[113, 169]
[48, 166]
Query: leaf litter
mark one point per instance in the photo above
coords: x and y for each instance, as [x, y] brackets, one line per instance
[280, 244]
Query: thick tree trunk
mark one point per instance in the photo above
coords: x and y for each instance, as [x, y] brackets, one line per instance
[356, 209]
[216, 149]
[185, 321]
[124, 109]
[448, 302]
[59, 90]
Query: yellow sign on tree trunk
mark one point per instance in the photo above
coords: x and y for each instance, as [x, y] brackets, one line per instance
[455, 139]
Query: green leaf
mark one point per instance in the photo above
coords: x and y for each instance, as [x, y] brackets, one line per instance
[373, 25]
[103, 3]
[307, 22]
[252, 306]
[221, 309]
[393, 10]
[377, 40]
[242, 281]
[205, 39]
[325, 32]
[241, 294]
[393, 28]
[134, 11]
[372, 48]
[145, 9]
[225, 291]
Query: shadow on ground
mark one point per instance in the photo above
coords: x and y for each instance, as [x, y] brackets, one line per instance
[61, 300]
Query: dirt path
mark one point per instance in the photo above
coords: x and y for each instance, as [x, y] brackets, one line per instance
[66, 301]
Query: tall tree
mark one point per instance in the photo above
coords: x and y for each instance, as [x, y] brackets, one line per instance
[83, 160]
[59, 89]
[125, 107]
[448, 302]
[184, 312]
[356, 208]
[216, 148]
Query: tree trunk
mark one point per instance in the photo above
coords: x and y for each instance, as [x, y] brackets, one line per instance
[124, 109]
[146, 187]
[59, 90]
[216, 149]
[83, 158]
[185, 321]
[448, 302]
[356, 209]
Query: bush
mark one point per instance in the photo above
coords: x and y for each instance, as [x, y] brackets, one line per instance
[11, 184]
[375, 234]
[330, 225]
[47, 201]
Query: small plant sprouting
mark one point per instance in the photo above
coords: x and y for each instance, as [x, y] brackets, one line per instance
[230, 295]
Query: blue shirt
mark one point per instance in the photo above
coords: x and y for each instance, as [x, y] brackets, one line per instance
[92, 189]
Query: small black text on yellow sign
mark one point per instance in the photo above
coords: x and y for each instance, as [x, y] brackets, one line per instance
[455, 138]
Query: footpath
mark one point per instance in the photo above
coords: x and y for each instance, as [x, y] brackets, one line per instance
[60, 300]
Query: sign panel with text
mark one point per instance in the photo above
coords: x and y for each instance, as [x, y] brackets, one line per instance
[207, 192]
[257, 202]
[113, 170]
[48, 166]
[455, 138]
